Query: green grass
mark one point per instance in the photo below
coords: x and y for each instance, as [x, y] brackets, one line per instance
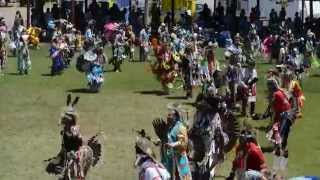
[30, 107]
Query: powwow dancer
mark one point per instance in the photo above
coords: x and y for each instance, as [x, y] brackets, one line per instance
[249, 162]
[3, 41]
[119, 50]
[101, 57]
[280, 104]
[247, 90]
[130, 40]
[187, 61]
[144, 44]
[3, 52]
[16, 31]
[95, 72]
[236, 49]
[164, 68]
[203, 64]
[232, 76]
[77, 155]
[283, 118]
[146, 163]
[24, 62]
[34, 33]
[255, 43]
[267, 47]
[213, 132]
[164, 35]
[91, 63]
[56, 54]
[297, 97]
[210, 55]
[89, 36]
[174, 139]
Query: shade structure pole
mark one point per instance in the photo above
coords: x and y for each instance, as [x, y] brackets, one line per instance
[172, 12]
[311, 10]
[28, 13]
[73, 13]
[302, 14]
[146, 12]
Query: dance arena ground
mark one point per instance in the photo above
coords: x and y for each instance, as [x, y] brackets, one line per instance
[30, 107]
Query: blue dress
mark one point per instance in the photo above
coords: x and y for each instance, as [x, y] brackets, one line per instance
[95, 74]
[174, 159]
[57, 62]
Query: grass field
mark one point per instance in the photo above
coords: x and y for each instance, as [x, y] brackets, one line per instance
[30, 107]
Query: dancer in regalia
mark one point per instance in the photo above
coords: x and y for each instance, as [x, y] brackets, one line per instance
[164, 68]
[119, 50]
[56, 54]
[24, 62]
[144, 44]
[174, 155]
[247, 88]
[187, 61]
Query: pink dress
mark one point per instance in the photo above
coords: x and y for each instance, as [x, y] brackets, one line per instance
[266, 46]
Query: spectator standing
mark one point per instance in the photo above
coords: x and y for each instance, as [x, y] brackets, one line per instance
[298, 26]
[282, 14]
[205, 15]
[55, 11]
[167, 19]
[243, 23]
[47, 16]
[220, 10]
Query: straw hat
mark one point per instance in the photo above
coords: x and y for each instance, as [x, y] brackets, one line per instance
[146, 146]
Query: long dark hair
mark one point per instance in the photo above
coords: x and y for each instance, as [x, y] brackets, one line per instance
[19, 14]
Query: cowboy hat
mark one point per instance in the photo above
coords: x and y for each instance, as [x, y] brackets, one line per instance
[146, 146]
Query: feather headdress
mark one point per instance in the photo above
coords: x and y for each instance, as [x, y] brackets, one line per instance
[69, 113]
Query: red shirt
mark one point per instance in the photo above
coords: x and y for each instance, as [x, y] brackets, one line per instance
[254, 159]
[280, 102]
